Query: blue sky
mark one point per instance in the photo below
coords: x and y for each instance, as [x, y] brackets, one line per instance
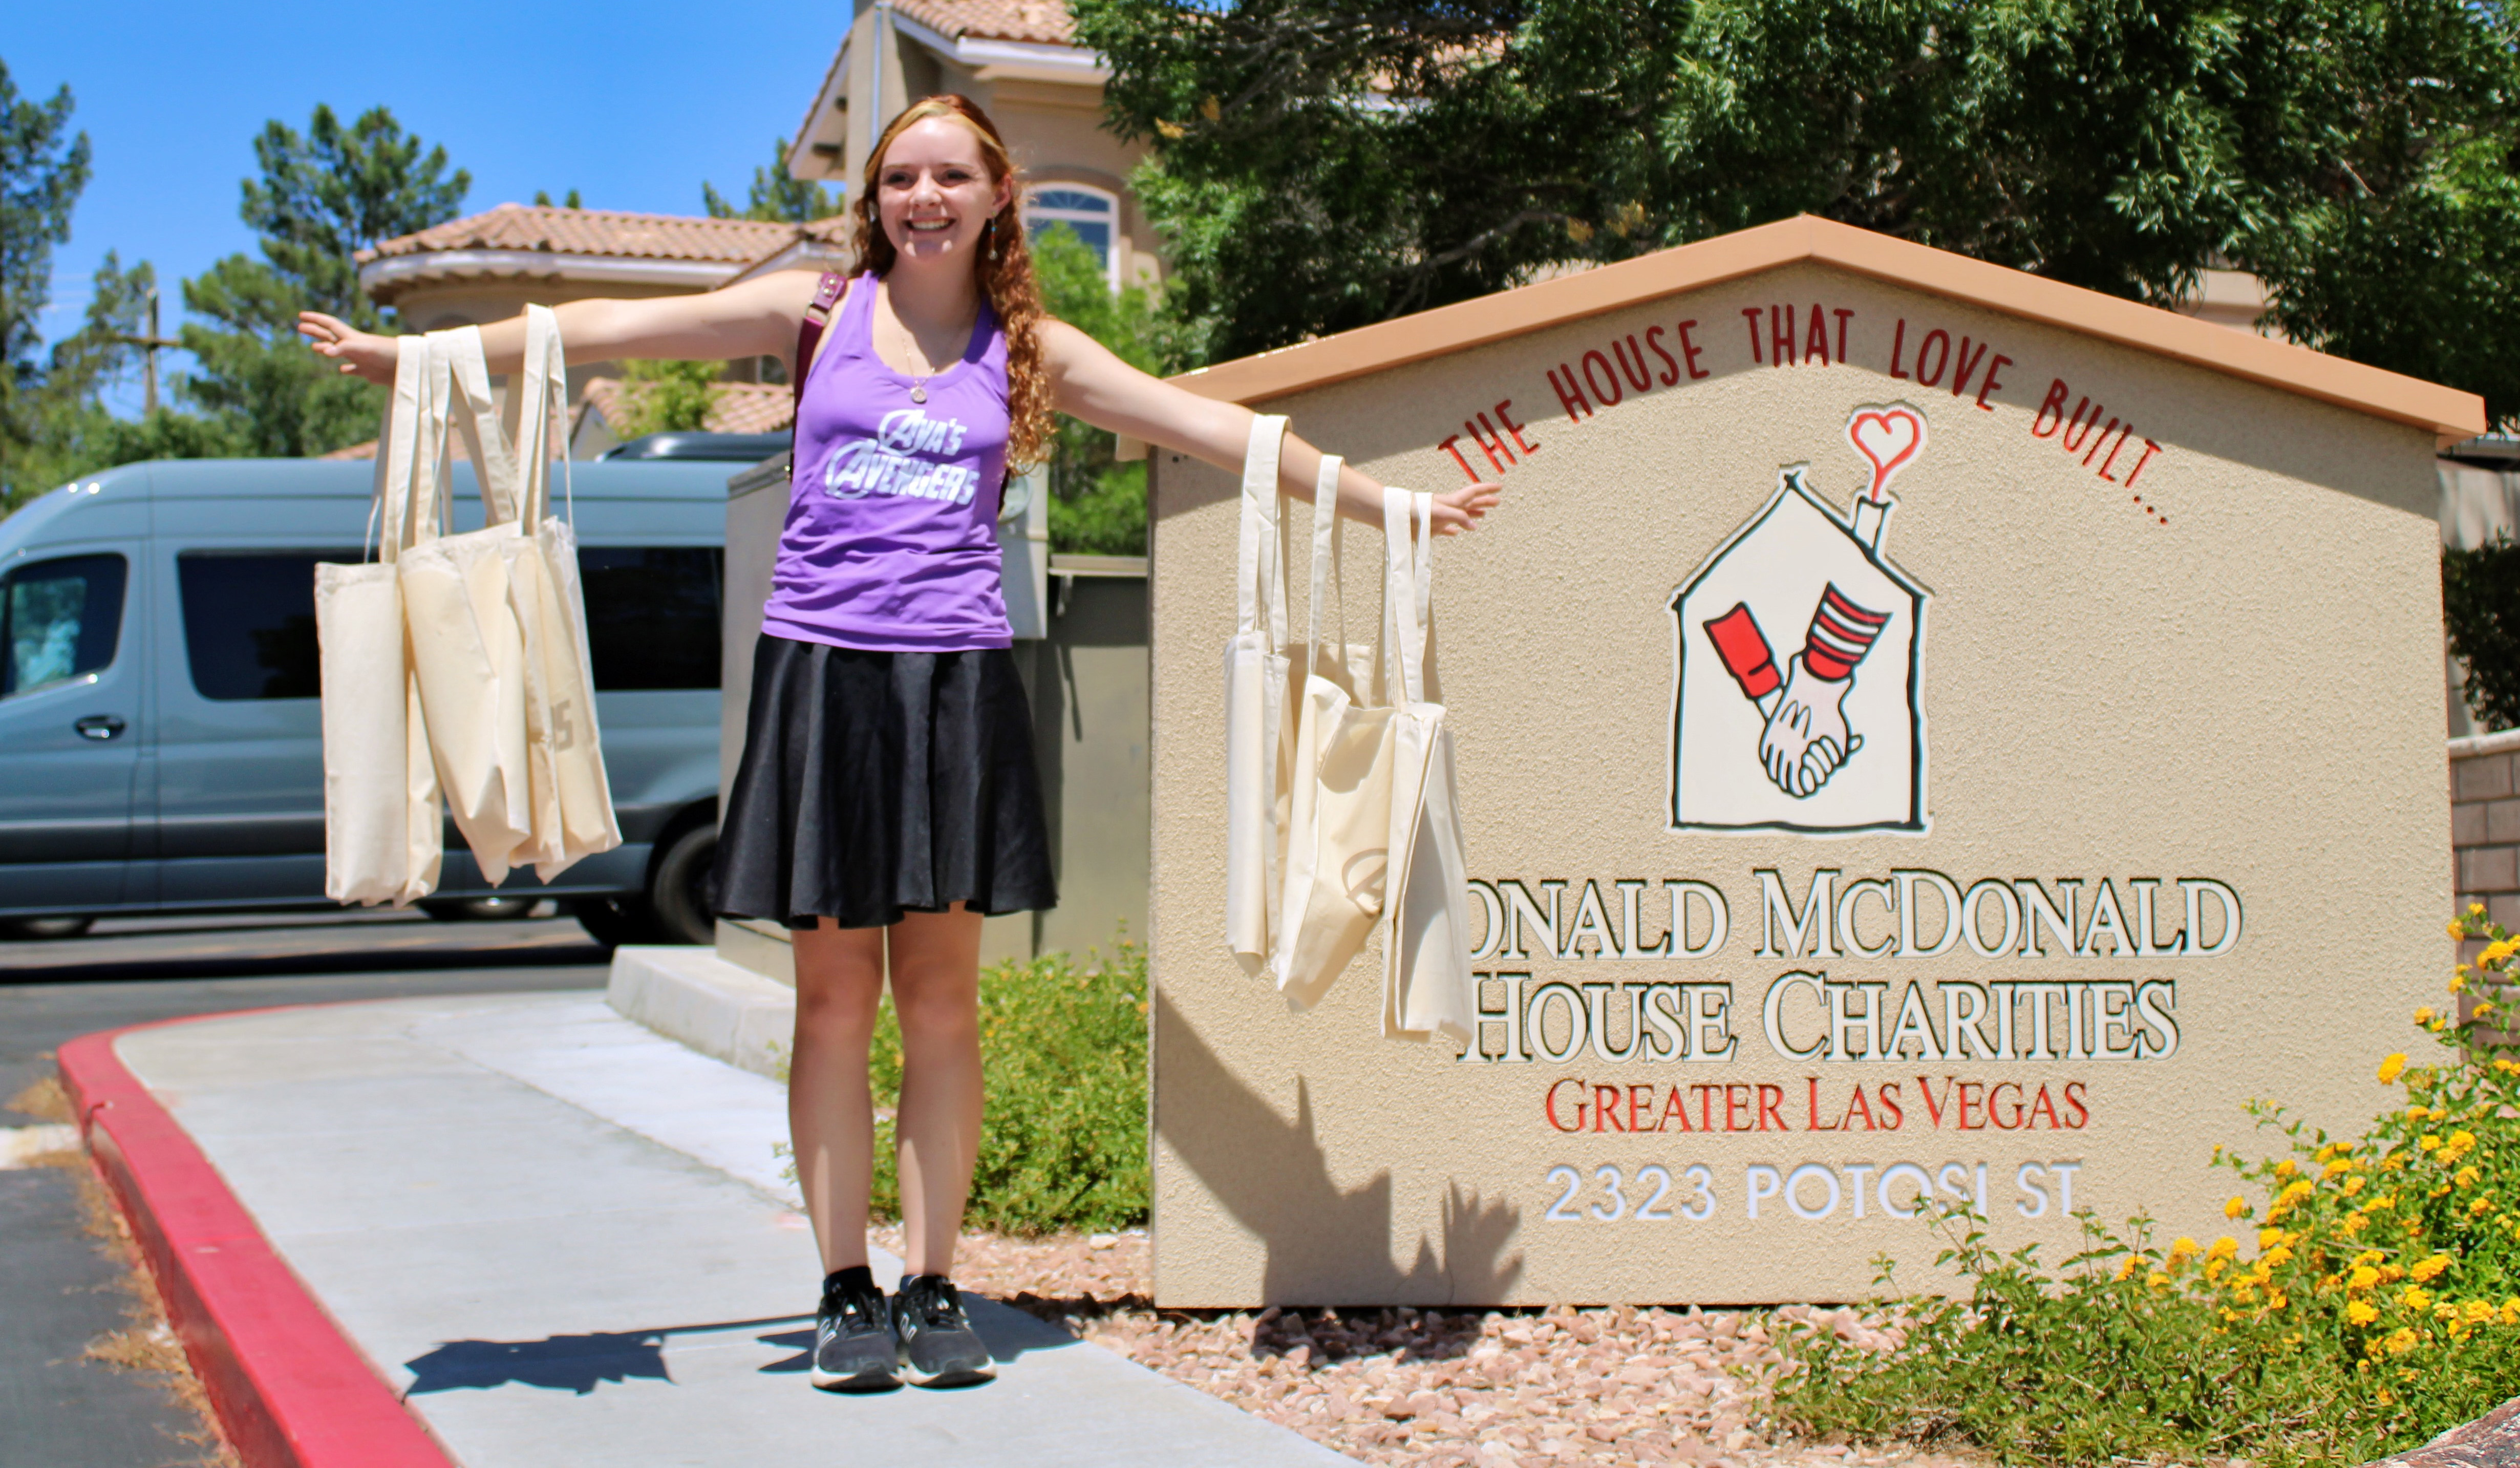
[631, 103]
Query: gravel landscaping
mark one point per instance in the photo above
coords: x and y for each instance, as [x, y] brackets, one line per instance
[1440, 1389]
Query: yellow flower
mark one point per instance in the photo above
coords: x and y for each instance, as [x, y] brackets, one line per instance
[2226, 1246]
[2337, 1169]
[2424, 1015]
[2510, 1312]
[2294, 1191]
[2483, 1008]
[2447, 1313]
[2126, 1268]
[2362, 1313]
[2389, 1067]
[2275, 1299]
[2476, 909]
[2285, 1168]
[2454, 928]
[2182, 1249]
[2466, 1178]
[2276, 1259]
[2236, 1208]
[2268, 1238]
[2459, 984]
[2480, 1312]
[2363, 1277]
[2158, 1280]
[2354, 1222]
[2428, 1141]
[2415, 1298]
[2401, 1341]
[2428, 1270]
[2353, 1186]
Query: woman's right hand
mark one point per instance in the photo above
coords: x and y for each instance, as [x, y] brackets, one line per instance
[360, 354]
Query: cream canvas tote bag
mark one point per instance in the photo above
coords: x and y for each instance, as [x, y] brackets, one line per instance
[382, 826]
[1341, 834]
[570, 797]
[466, 647]
[1256, 748]
[1428, 987]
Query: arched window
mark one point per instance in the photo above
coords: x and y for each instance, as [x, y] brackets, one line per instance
[1092, 213]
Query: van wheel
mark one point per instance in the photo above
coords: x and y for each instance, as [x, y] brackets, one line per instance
[615, 921]
[678, 899]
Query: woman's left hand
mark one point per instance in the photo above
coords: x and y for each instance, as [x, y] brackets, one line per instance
[1461, 510]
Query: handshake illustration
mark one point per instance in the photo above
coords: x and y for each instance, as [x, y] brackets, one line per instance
[1806, 739]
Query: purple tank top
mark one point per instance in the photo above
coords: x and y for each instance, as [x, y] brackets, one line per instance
[890, 543]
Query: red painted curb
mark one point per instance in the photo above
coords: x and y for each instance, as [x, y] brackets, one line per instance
[290, 1389]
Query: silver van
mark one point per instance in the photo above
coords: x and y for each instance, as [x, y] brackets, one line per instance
[160, 742]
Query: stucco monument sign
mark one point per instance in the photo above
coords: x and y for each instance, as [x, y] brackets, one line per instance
[1924, 732]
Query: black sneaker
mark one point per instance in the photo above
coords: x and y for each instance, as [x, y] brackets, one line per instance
[853, 1345]
[938, 1346]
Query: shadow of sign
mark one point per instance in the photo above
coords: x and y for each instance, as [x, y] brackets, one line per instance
[1326, 1246]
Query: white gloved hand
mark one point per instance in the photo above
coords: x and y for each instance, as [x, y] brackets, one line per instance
[1806, 738]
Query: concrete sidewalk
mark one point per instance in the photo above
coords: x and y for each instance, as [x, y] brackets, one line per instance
[565, 1240]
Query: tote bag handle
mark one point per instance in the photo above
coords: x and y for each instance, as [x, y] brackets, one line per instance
[1408, 573]
[1258, 574]
[475, 412]
[536, 415]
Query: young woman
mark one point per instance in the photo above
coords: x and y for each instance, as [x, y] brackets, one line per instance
[888, 798]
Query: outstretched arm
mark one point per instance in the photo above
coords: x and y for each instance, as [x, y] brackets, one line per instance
[1089, 382]
[755, 319]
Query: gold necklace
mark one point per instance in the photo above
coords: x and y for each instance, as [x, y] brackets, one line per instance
[911, 349]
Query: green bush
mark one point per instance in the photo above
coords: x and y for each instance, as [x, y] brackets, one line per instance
[2380, 1306]
[1064, 1048]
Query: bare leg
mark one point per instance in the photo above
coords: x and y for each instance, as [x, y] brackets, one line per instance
[936, 993]
[831, 1118]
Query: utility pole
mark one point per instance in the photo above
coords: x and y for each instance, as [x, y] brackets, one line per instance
[150, 344]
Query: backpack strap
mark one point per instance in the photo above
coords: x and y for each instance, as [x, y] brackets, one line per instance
[809, 333]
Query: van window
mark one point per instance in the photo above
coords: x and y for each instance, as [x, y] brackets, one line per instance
[250, 622]
[59, 618]
[652, 615]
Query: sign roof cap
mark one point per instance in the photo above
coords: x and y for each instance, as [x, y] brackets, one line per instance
[2449, 413]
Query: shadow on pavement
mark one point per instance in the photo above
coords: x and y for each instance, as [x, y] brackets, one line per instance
[299, 949]
[570, 1363]
[581, 1363]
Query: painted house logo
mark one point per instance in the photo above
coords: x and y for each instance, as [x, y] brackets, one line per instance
[1824, 734]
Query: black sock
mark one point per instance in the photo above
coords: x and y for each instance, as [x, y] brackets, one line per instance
[856, 1278]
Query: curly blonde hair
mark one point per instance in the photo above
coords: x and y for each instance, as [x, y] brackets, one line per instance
[1003, 267]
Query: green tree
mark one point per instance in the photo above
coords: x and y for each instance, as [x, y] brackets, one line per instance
[1321, 165]
[569, 201]
[74, 432]
[42, 170]
[1097, 505]
[776, 196]
[321, 198]
[665, 397]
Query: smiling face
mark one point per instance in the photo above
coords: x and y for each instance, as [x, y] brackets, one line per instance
[935, 192]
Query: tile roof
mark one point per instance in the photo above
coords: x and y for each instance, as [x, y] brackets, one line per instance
[612, 233]
[1041, 22]
[737, 407]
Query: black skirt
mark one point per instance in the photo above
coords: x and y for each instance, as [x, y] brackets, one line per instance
[874, 784]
